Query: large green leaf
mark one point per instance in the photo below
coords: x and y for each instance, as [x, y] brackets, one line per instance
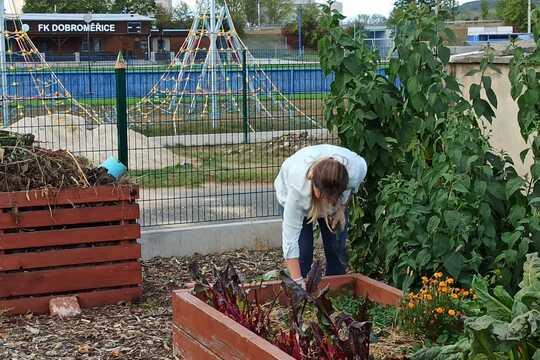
[456, 351]
[454, 264]
[495, 307]
[529, 292]
[513, 185]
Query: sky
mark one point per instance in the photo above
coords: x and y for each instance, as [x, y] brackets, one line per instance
[352, 8]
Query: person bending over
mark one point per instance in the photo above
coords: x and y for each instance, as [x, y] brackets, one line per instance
[315, 185]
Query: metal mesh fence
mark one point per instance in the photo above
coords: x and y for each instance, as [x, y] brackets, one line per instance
[198, 157]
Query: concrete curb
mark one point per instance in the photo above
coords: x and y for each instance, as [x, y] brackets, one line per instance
[167, 241]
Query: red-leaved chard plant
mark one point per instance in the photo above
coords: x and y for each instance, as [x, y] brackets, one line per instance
[334, 336]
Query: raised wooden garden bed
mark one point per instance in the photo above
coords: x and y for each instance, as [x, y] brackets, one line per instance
[202, 332]
[79, 242]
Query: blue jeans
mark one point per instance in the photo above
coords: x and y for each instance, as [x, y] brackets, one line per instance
[334, 247]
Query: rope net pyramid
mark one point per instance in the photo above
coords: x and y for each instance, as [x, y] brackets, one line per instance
[205, 82]
[30, 86]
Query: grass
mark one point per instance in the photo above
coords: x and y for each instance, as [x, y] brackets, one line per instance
[253, 163]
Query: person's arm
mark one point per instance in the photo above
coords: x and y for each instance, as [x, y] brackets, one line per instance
[293, 265]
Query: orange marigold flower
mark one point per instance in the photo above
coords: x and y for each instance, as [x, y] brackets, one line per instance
[465, 293]
[438, 274]
[429, 297]
[439, 310]
[452, 312]
[455, 296]
[450, 281]
[424, 279]
[442, 284]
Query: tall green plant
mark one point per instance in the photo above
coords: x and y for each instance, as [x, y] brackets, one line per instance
[435, 197]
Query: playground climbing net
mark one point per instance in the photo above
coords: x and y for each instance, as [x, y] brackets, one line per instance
[216, 81]
[30, 88]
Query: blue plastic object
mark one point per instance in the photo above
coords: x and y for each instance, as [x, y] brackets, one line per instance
[114, 167]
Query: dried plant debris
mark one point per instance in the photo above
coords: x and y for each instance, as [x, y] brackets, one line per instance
[142, 330]
[25, 166]
[126, 331]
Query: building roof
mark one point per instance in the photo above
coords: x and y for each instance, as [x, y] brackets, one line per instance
[80, 17]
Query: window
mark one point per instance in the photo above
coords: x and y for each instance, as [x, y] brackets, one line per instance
[96, 45]
[133, 27]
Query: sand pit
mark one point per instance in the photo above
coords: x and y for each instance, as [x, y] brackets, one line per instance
[66, 131]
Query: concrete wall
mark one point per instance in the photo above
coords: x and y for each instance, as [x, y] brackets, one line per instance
[504, 133]
[187, 240]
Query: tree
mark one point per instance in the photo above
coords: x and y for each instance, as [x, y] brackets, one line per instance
[236, 8]
[182, 16]
[67, 6]
[311, 26]
[251, 11]
[515, 14]
[484, 7]
[363, 20]
[142, 7]
[499, 8]
[446, 8]
[277, 11]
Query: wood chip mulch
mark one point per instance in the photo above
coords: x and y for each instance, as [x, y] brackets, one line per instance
[127, 331]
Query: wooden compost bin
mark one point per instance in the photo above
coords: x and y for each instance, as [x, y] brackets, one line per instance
[201, 332]
[80, 242]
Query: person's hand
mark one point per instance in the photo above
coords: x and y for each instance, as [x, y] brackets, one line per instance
[300, 282]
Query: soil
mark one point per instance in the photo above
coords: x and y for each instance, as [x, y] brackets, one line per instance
[141, 330]
[126, 331]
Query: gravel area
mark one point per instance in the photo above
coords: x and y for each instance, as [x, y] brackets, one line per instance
[126, 331]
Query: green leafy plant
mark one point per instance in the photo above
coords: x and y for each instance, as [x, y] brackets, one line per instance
[436, 196]
[509, 327]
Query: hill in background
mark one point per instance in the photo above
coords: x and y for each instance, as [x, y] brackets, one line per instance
[471, 10]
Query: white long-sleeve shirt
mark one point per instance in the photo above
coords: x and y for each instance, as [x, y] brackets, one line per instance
[293, 188]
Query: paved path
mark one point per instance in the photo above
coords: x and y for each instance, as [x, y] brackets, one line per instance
[211, 202]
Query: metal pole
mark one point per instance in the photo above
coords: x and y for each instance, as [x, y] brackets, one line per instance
[3, 67]
[121, 110]
[213, 63]
[88, 20]
[245, 95]
[259, 12]
[300, 29]
[529, 17]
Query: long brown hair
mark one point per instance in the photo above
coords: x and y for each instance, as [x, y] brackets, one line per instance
[330, 177]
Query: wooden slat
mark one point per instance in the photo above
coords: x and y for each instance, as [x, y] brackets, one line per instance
[53, 197]
[40, 305]
[69, 279]
[90, 255]
[31, 219]
[88, 235]
[205, 324]
[186, 347]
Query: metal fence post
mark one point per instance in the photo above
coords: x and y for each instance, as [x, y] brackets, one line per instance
[121, 109]
[244, 96]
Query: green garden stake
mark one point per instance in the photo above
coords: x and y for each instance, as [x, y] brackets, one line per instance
[121, 109]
